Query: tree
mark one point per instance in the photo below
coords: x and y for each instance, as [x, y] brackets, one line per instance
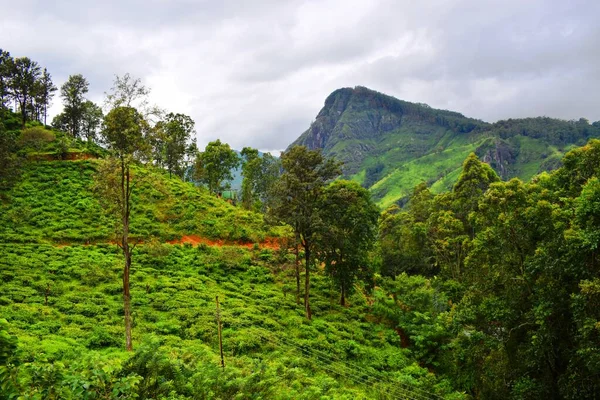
[259, 174]
[72, 93]
[128, 91]
[475, 178]
[403, 236]
[23, 77]
[6, 68]
[91, 120]
[9, 162]
[296, 201]
[250, 167]
[349, 232]
[44, 92]
[172, 142]
[214, 165]
[124, 131]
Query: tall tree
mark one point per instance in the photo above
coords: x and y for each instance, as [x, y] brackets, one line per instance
[124, 131]
[128, 91]
[91, 120]
[260, 172]
[72, 93]
[9, 162]
[348, 234]
[475, 178]
[6, 62]
[23, 78]
[172, 142]
[250, 168]
[298, 193]
[214, 166]
[44, 92]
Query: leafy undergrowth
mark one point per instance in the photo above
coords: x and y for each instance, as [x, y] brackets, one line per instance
[64, 305]
[53, 202]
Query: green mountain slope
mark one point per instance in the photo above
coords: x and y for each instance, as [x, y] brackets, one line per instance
[390, 145]
[61, 307]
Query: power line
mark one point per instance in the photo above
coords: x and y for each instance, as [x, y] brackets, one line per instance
[327, 365]
[401, 388]
[331, 357]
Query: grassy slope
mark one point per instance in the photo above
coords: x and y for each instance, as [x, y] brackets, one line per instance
[436, 169]
[270, 348]
[53, 202]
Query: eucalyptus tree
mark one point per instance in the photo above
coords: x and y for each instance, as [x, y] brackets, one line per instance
[125, 132]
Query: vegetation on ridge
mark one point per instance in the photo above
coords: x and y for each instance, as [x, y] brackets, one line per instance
[390, 146]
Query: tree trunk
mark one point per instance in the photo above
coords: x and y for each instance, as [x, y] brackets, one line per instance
[125, 192]
[127, 300]
[297, 270]
[307, 281]
[23, 112]
[343, 297]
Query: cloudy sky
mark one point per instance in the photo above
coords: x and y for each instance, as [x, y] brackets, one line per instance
[255, 73]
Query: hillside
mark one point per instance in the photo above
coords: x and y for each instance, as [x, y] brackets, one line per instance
[390, 145]
[61, 301]
[53, 203]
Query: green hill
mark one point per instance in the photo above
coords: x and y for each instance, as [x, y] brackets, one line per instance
[61, 320]
[53, 203]
[390, 145]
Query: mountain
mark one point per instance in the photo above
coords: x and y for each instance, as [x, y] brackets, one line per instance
[390, 145]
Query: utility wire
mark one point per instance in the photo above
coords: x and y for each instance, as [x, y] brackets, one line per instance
[327, 365]
[401, 388]
[330, 357]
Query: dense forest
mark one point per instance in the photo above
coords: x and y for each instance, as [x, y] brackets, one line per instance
[125, 273]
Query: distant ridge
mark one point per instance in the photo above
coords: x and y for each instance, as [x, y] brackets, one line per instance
[390, 145]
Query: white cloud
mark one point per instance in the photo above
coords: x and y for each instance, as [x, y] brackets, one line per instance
[256, 73]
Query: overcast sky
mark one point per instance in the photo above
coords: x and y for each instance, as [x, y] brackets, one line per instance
[256, 73]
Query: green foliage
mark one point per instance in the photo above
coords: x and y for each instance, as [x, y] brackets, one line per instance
[72, 92]
[35, 138]
[213, 166]
[124, 131]
[53, 202]
[260, 174]
[172, 142]
[9, 162]
[297, 200]
[70, 348]
[518, 263]
[350, 221]
[390, 146]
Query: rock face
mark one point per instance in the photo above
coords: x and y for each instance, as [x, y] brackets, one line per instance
[499, 154]
[356, 123]
[390, 145]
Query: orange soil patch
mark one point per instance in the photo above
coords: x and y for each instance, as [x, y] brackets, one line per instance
[195, 240]
[70, 156]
